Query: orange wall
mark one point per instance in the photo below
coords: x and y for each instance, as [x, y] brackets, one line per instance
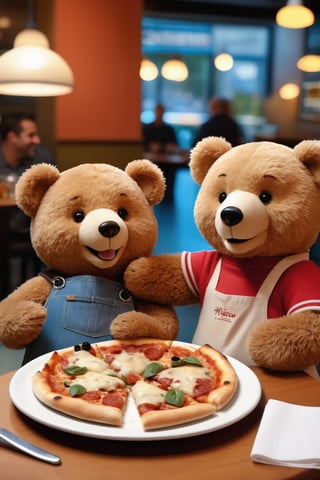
[101, 41]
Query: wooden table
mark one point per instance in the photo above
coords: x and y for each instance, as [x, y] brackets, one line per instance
[220, 455]
[6, 205]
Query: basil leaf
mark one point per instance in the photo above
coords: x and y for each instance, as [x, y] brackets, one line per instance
[178, 362]
[77, 389]
[192, 361]
[152, 369]
[75, 370]
[174, 397]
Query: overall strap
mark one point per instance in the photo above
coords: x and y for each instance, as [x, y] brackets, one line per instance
[56, 279]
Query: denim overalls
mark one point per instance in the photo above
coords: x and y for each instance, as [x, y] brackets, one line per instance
[80, 308]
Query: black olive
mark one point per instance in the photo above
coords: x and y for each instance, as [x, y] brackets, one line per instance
[77, 348]
[86, 346]
[175, 358]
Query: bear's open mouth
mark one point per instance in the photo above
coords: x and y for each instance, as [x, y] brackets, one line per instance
[106, 255]
[237, 240]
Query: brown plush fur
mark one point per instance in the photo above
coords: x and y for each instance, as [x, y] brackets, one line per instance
[292, 224]
[51, 198]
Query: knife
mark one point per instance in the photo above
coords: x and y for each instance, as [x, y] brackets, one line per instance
[10, 439]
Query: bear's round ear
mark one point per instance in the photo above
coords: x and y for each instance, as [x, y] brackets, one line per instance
[308, 152]
[149, 177]
[33, 184]
[204, 154]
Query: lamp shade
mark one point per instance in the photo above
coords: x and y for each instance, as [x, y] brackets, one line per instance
[294, 15]
[31, 68]
[31, 37]
[174, 69]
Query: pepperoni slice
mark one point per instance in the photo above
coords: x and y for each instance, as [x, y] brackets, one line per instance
[132, 378]
[203, 387]
[163, 381]
[153, 352]
[147, 407]
[113, 400]
[91, 396]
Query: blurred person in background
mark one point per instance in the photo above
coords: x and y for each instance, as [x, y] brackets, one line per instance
[19, 149]
[220, 124]
[158, 136]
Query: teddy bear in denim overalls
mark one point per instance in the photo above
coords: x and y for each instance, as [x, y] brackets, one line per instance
[87, 224]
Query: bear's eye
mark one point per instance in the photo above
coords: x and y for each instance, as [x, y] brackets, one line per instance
[222, 197]
[123, 213]
[265, 197]
[78, 216]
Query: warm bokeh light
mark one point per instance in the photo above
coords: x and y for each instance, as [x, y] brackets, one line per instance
[5, 22]
[175, 70]
[223, 62]
[289, 91]
[148, 70]
[294, 15]
[309, 63]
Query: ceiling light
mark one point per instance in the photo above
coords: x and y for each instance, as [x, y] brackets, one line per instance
[32, 69]
[148, 70]
[5, 22]
[223, 62]
[309, 63]
[175, 69]
[288, 91]
[294, 15]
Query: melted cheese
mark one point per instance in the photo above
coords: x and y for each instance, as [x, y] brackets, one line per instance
[146, 393]
[93, 381]
[126, 363]
[184, 378]
[82, 358]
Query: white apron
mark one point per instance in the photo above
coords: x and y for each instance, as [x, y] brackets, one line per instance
[225, 320]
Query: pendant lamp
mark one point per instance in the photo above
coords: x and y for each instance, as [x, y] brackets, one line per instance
[175, 70]
[31, 68]
[289, 91]
[294, 15]
[309, 63]
[148, 70]
[223, 62]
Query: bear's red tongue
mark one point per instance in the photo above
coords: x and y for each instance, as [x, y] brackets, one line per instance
[107, 254]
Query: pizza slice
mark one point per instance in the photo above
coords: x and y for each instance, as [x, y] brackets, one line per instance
[76, 382]
[198, 382]
[204, 374]
[159, 408]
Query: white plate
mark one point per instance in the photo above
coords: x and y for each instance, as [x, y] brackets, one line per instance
[244, 401]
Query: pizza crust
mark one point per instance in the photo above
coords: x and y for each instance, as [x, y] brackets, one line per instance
[154, 419]
[227, 382]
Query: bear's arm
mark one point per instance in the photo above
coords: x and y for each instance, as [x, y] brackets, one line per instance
[22, 313]
[288, 343]
[159, 279]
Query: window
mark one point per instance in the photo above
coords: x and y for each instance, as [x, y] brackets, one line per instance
[197, 44]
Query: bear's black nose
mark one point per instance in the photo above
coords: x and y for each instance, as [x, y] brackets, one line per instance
[109, 229]
[231, 216]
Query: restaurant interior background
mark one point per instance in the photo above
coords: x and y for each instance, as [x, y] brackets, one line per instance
[104, 42]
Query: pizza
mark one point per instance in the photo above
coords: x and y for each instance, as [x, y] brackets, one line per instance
[170, 383]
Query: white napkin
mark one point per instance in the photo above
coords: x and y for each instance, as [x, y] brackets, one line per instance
[288, 435]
